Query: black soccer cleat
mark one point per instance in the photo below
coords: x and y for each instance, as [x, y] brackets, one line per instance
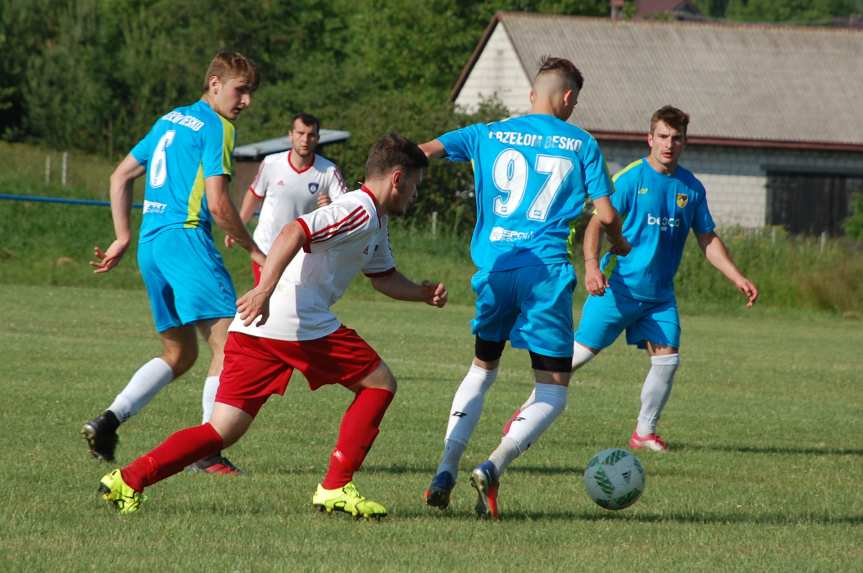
[101, 436]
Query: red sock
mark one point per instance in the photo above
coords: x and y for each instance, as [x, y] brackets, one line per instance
[360, 427]
[179, 450]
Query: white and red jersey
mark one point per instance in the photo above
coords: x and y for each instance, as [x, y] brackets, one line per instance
[342, 239]
[289, 193]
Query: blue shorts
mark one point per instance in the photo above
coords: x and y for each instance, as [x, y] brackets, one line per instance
[604, 317]
[529, 306]
[186, 278]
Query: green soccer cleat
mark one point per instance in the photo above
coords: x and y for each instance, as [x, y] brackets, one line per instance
[348, 500]
[116, 492]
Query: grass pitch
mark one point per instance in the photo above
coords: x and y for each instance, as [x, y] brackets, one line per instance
[765, 425]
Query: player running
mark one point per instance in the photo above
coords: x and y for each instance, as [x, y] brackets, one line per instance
[532, 177]
[187, 158]
[316, 257]
[290, 184]
[661, 201]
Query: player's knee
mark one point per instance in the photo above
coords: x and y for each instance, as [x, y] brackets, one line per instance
[180, 358]
[381, 378]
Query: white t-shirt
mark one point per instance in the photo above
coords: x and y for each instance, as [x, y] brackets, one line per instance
[288, 193]
[342, 239]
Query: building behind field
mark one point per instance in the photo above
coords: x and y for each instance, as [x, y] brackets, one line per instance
[776, 129]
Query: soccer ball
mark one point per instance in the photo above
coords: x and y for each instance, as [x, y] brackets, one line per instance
[614, 478]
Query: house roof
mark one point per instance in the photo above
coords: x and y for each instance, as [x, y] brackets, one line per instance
[260, 149]
[758, 85]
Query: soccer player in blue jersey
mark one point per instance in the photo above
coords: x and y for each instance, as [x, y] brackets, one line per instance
[187, 159]
[660, 202]
[532, 177]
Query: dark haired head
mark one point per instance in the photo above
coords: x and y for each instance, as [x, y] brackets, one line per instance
[392, 151]
[672, 116]
[307, 119]
[562, 67]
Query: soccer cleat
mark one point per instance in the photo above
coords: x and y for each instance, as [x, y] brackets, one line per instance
[116, 492]
[348, 500]
[217, 464]
[439, 490]
[484, 480]
[650, 442]
[101, 436]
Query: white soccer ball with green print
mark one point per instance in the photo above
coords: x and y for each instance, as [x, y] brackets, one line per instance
[614, 478]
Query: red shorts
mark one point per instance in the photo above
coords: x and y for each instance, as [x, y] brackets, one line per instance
[256, 368]
[256, 274]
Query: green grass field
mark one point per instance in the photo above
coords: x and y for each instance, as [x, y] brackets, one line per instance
[765, 425]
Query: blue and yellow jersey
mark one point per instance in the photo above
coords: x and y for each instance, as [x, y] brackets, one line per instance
[183, 148]
[658, 211]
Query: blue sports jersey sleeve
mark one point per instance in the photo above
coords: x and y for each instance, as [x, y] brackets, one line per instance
[218, 149]
[702, 222]
[143, 149]
[596, 178]
[624, 190]
[460, 143]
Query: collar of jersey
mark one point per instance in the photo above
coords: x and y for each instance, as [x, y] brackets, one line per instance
[374, 202]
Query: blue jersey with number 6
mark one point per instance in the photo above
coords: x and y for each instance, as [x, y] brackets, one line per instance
[532, 175]
[184, 147]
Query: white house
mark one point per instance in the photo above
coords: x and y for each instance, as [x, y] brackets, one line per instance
[776, 129]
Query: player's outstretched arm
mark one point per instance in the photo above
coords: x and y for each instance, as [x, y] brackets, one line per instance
[718, 256]
[396, 285]
[594, 281]
[121, 206]
[610, 221]
[255, 303]
[226, 216]
[251, 203]
[433, 149]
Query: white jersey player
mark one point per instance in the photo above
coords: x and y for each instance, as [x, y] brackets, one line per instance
[290, 184]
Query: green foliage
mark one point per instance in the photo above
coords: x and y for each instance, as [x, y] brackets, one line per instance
[853, 225]
[792, 11]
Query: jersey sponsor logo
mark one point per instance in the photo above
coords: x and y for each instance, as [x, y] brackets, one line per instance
[500, 234]
[643, 191]
[189, 121]
[154, 207]
[682, 200]
[280, 183]
[313, 187]
[535, 140]
[664, 223]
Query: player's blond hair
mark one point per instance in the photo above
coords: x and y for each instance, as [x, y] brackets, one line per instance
[673, 117]
[227, 65]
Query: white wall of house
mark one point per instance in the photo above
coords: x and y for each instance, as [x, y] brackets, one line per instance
[497, 72]
[736, 178]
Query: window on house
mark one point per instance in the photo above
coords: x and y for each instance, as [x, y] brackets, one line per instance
[810, 204]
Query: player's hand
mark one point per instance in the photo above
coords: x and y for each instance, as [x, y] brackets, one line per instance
[253, 304]
[434, 294]
[323, 200]
[230, 241]
[594, 281]
[621, 247]
[107, 260]
[749, 290]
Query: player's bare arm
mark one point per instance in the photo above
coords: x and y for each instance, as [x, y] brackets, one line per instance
[718, 256]
[433, 149]
[121, 205]
[396, 285]
[610, 221]
[226, 216]
[255, 303]
[251, 203]
[594, 281]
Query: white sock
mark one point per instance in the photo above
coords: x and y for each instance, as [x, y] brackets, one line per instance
[464, 415]
[581, 355]
[208, 397]
[549, 401]
[655, 392]
[143, 387]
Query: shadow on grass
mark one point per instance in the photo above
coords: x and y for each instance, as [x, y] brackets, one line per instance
[810, 451]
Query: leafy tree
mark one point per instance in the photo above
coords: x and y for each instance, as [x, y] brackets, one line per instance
[853, 225]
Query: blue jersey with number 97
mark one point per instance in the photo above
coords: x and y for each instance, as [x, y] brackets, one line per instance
[184, 147]
[532, 176]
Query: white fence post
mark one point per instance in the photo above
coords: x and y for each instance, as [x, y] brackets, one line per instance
[434, 223]
[63, 169]
[47, 169]
[823, 240]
